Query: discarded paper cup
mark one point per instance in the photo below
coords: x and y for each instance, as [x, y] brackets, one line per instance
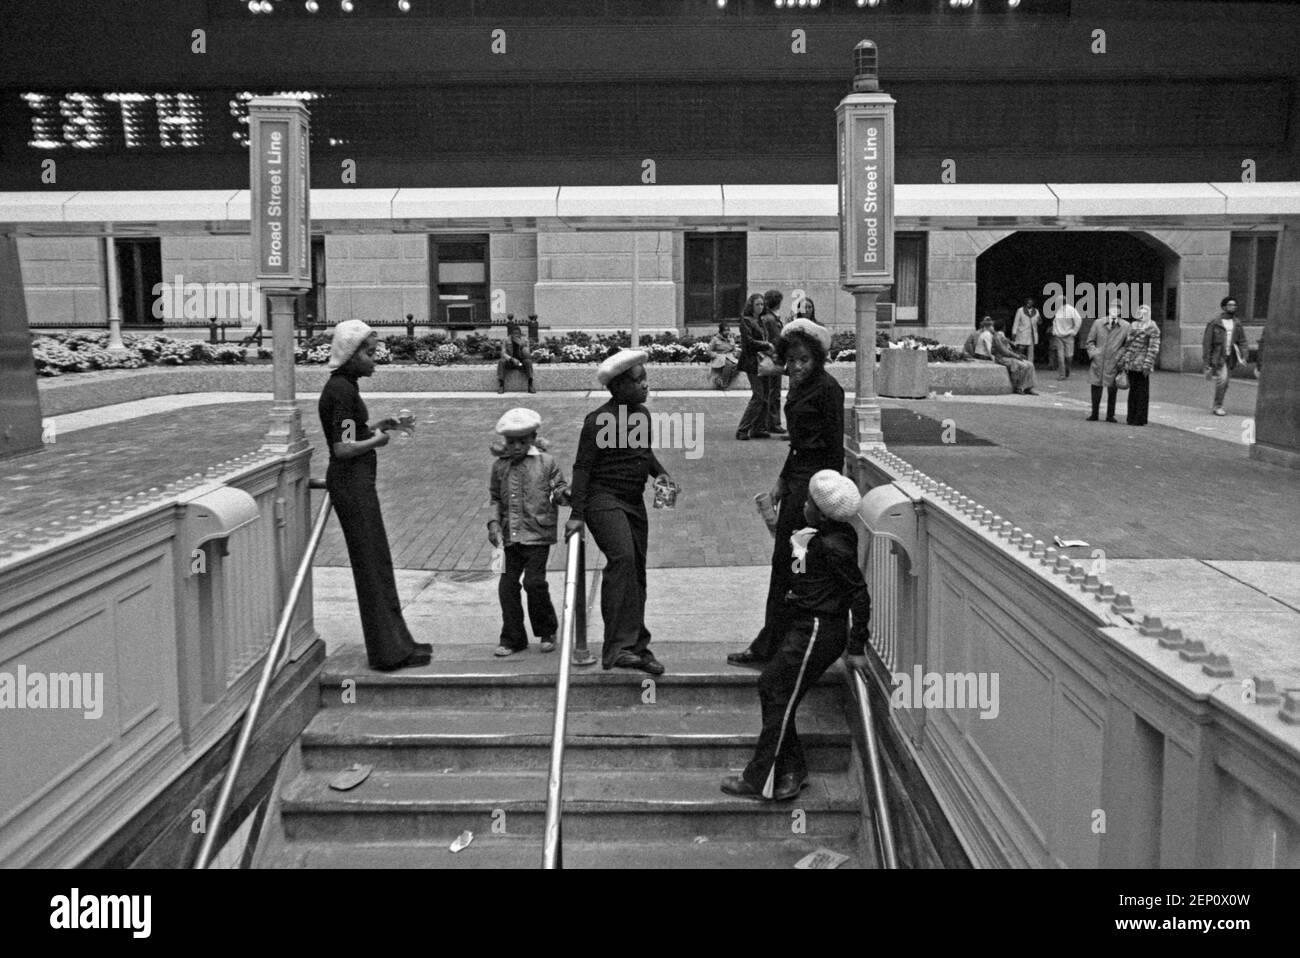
[666, 494]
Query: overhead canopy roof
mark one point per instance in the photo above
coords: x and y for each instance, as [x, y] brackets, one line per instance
[770, 207]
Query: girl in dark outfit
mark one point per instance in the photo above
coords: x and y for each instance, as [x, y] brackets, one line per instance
[814, 414]
[350, 480]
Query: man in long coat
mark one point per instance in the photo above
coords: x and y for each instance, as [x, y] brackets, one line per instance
[1105, 343]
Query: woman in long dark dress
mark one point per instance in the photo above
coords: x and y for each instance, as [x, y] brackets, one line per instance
[350, 481]
[814, 414]
[753, 344]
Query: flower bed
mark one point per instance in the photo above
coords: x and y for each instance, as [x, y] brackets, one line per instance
[60, 353]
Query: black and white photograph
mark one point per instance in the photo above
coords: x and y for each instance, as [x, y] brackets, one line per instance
[649, 435]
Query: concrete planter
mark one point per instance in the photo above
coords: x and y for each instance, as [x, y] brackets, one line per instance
[72, 393]
[904, 373]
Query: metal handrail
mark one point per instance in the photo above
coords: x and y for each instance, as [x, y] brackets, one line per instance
[573, 650]
[872, 769]
[268, 673]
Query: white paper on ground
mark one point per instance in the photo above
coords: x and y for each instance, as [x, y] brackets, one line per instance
[822, 858]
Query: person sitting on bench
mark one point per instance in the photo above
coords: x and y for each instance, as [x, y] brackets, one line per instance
[515, 354]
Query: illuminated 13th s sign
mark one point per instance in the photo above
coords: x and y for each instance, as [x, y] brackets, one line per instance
[141, 121]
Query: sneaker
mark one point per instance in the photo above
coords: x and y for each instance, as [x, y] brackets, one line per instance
[1218, 411]
[502, 651]
[547, 643]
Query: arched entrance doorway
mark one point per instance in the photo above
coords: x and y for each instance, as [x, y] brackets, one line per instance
[1025, 263]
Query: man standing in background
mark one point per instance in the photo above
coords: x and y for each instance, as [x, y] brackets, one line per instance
[1024, 329]
[1065, 326]
[1106, 341]
[1223, 347]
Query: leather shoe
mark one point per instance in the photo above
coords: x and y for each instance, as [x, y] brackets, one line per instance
[630, 660]
[650, 664]
[735, 785]
[412, 661]
[787, 787]
[746, 657]
[742, 436]
[1091, 419]
[1111, 419]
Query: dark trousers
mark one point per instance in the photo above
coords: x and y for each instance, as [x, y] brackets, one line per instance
[351, 485]
[1139, 398]
[773, 403]
[810, 646]
[789, 518]
[530, 560]
[754, 418]
[622, 533]
[525, 363]
[1111, 393]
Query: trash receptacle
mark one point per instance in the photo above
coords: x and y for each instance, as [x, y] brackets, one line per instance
[904, 373]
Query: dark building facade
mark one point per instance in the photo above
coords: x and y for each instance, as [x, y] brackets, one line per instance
[1165, 99]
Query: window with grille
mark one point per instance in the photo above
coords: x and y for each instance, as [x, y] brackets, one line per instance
[139, 270]
[908, 291]
[1250, 273]
[715, 277]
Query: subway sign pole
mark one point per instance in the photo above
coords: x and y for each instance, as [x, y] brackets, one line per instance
[865, 141]
[280, 180]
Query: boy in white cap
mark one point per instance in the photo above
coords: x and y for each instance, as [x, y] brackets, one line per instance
[825, 586]
[526, 487]
[609, 475]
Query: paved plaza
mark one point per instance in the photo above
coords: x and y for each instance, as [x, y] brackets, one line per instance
[1191, 548]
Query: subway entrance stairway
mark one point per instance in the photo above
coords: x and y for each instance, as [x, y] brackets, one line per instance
[463, 744]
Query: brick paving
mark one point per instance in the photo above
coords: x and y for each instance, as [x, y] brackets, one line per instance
[1154, 492]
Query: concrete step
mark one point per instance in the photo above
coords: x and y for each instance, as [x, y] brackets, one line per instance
[463, 676]
[495, 851]
[600, 805]
[645, 737]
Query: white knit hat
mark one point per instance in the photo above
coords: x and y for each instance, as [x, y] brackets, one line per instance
[519, 422]
[834, 494]
[619, 363]
[806, 326]
[348, 337]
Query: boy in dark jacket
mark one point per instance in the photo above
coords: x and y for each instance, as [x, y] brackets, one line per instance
[526, 487]
[826, 586]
